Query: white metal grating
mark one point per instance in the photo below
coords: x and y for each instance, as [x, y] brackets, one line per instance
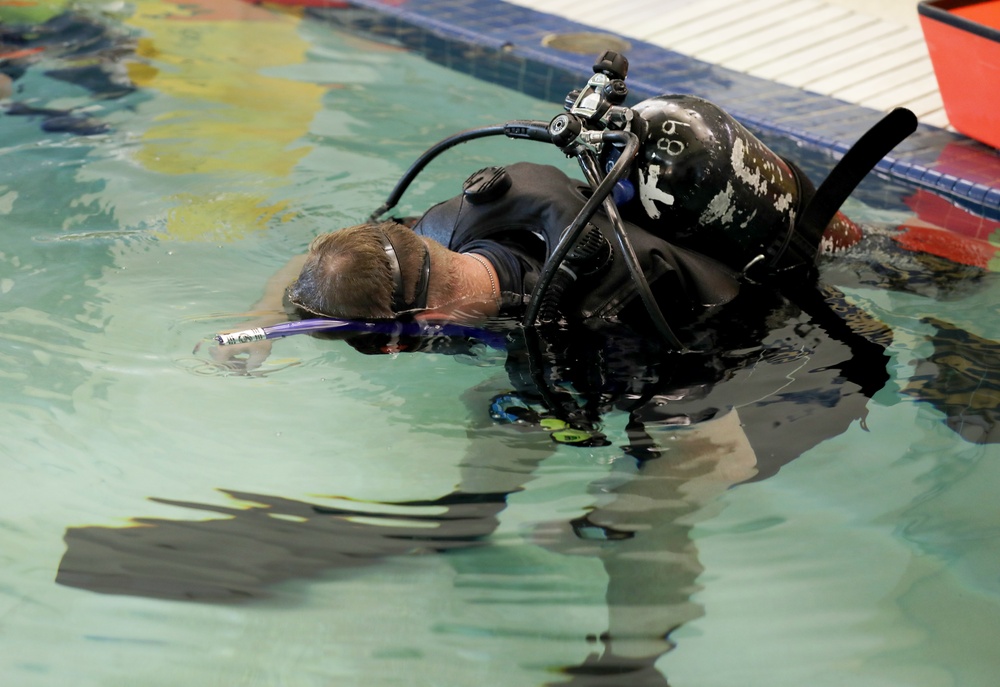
[810, 44]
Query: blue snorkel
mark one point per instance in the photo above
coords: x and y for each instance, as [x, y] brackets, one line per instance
[349, 328]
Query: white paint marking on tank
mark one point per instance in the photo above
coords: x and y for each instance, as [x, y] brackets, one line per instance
[783, 202]
[649, 192]
[720, 208]
[751, 178]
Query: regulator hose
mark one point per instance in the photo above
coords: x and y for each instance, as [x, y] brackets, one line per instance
[587, 258]
[632, 261]
[602, 195]
[602, 191]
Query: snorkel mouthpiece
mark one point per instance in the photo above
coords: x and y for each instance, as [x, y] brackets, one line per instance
[276, 331]
[245, 336]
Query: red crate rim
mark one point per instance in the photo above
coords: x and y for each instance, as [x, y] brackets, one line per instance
[938, 10]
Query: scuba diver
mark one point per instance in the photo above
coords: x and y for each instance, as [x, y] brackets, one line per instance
[696, 242]
[707, 213]
[707, 209]
[682, 209]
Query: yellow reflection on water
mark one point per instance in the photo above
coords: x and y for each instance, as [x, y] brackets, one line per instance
[232, 118]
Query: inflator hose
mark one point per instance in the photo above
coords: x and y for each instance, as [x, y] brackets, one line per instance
[532, 130]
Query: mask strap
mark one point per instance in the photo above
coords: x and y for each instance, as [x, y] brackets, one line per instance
[399, 303]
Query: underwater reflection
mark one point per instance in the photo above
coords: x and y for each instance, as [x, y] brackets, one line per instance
[239, 557]
[76, 49]
[960, 380]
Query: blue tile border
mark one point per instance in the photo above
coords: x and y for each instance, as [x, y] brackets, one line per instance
[502, 43]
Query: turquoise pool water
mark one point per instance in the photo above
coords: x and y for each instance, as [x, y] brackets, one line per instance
[307, 513]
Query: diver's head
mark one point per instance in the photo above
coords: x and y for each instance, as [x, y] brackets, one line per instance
[364, 272]
[380, 272]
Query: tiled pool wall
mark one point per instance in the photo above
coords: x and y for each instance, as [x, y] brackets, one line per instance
[504, 43]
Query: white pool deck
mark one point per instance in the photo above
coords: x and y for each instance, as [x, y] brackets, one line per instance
[871, 53]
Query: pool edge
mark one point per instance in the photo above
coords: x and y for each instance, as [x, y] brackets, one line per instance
[504, 44]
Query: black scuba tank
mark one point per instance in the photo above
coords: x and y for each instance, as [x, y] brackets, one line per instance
[703, 181]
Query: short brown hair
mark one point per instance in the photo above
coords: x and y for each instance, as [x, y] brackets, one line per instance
[347, 272]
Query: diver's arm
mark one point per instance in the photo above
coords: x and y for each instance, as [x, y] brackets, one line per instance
[271, 304]
[267, 311]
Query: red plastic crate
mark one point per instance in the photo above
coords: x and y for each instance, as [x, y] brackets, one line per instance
[963, 38]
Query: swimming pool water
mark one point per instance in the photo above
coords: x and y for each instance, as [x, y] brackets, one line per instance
[274, 499]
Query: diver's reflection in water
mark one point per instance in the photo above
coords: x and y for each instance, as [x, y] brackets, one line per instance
[697, 426]
[643, 538]
[241, 556]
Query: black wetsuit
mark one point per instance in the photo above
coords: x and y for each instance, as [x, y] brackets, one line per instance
[518, 230]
